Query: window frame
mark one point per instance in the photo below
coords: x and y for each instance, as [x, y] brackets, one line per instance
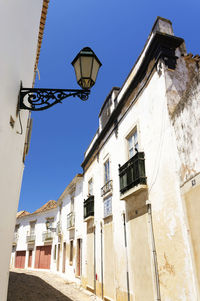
[106, 171]
[135, 142]
[90, 185]
[107, 208]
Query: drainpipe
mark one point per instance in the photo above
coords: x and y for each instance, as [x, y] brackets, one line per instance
[101, 260]
[95, 259]
[156, 275]
[127, 272]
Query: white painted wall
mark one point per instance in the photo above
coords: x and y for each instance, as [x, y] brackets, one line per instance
[80, 227]
[40, 227]
[157, 140]
[19, 27]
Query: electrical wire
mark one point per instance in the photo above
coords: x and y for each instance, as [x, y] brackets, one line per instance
[20, 122]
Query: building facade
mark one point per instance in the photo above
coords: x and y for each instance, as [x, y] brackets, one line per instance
[129, 225]
[21, 35]
[33, 238]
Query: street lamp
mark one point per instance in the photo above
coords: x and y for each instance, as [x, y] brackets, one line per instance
[48, 226]
[86, 65]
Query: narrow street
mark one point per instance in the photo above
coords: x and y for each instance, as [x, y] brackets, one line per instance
[29, 285]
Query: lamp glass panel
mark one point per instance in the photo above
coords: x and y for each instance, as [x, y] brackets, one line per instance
[77, 69]
[86, 83]
[95, 70]
[86, 65]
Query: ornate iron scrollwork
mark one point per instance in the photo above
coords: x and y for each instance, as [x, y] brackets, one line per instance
[34, 99]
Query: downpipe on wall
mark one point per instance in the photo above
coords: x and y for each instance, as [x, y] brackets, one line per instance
[127, 270]
[101, 260]
[155, 263]
[94, 259]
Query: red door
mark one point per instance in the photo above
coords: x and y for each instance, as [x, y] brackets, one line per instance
[30, 259]
[20, 259]
[43, 257]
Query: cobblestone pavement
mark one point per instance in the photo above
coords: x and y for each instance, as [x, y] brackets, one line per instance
[26, 285]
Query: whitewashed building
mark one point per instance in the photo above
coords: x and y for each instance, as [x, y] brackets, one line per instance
[69, 240]
[21, 29]
[33, 238]
[141, 172]
[128, 228]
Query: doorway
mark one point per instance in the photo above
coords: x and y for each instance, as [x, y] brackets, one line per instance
[58, 258]
[79, 258]
[64, 257]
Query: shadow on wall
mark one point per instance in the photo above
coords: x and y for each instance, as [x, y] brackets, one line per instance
[24, 287]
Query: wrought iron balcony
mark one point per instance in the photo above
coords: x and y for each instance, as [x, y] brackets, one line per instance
[30, 237]
[106, 188]
[132, 173]
[15, 238]
[89, 207]
[70, 220]
[47, 235]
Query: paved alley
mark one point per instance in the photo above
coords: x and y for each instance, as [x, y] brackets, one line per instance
[29, 285]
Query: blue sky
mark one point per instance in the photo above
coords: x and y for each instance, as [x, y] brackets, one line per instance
[116, 31]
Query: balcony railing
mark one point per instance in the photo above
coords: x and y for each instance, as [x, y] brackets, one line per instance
[132, 172]
[106, 188]
[89, 207]
[70, 220]
[30, 237]
[47, 235]
[15, 238]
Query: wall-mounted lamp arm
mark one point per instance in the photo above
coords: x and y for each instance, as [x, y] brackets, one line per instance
[34, 99]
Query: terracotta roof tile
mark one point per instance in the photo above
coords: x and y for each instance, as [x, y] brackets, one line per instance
[40, 35]
[49, 205]
[22, 213]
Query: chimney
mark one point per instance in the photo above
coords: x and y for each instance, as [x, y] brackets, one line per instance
[163, 25]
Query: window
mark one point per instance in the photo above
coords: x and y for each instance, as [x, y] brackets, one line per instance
[90, 187]
[32, 228]
[72, 203]
[107, 171]
[60, 209]
[132, 144]
[71, 252]
[107, 207]
[49, 223]
[17, 228]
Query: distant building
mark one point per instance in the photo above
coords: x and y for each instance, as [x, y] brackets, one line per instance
[130, 225]
[32, 242]
[21, 31]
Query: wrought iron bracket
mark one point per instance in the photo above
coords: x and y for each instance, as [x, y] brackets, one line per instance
[39, 99]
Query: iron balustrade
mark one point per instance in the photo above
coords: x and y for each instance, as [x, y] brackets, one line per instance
[106, 188]
[89, 207]
[30, 237]
[70, 220]
[132, 172]
[47, 235]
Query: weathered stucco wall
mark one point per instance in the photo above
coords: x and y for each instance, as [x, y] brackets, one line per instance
[184, 84]
[183, 96]
[192, 197]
